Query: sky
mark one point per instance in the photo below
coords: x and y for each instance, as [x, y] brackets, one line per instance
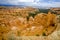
[42, 3]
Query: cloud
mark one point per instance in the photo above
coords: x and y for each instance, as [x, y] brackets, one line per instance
[25, 0]
[55, 4]
[44, 3]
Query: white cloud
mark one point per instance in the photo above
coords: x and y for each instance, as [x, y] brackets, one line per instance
[55, 4]
[15, 2]
[25, 0]
[31, 3]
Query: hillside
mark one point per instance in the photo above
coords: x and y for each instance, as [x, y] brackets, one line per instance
[27, 21]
